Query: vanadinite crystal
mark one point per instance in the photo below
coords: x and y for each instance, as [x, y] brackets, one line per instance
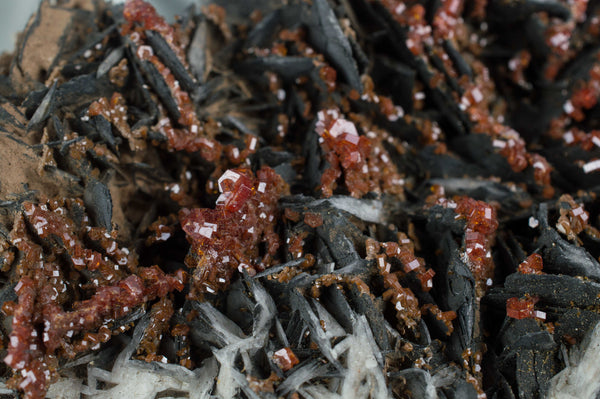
[321, 198]
[285, 358]
[532, 265]
[523, 308]
[52, 317]
[479, 235]
[343, 147]
[362, 163]
[187, 132]
[227, 238]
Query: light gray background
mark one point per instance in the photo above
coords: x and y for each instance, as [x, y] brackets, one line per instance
[14, 15]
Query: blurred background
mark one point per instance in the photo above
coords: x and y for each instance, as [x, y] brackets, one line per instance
[15, 14]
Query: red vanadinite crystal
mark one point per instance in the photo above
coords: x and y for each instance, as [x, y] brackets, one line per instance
[479, 234]
[573, 219]
[341, 136]
[25, 343]
[143, 13]
[50, 317]
[361, 161]
[532, 265]
[226, 238]
[191, 136]
[518, 308]
[236, 186]
[344, 150]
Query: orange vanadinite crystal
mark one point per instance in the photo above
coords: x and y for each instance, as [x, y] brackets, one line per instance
[410, 262]
[573, 219]
[541, 173]
[160, 316]
[405, 303]
[532, 265]
[285, 358]
[445, 317]
[585, 97]
[447, 17]
[426, 278]
[114, 110]
[226, 238]
[340, 135]
[519, 309]
[515, 153]
[329, 76]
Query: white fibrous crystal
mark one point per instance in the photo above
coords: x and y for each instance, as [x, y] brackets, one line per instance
[581, 377]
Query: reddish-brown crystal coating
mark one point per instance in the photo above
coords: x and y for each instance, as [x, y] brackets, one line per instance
[25, 350]
[160, 315]
[191, 136]
[364, 165]
[480, 231]
[109, 303]
[573, 218]
[445, 317]
[53, 223]
[404, 300]
[141, 12]
[227, 238]
[115, 111]
[50, 317]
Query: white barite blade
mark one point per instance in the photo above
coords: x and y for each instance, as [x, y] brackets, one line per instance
[581, 378]
[364, 377]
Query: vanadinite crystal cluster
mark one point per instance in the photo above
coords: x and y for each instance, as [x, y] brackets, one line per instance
[301, 199]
